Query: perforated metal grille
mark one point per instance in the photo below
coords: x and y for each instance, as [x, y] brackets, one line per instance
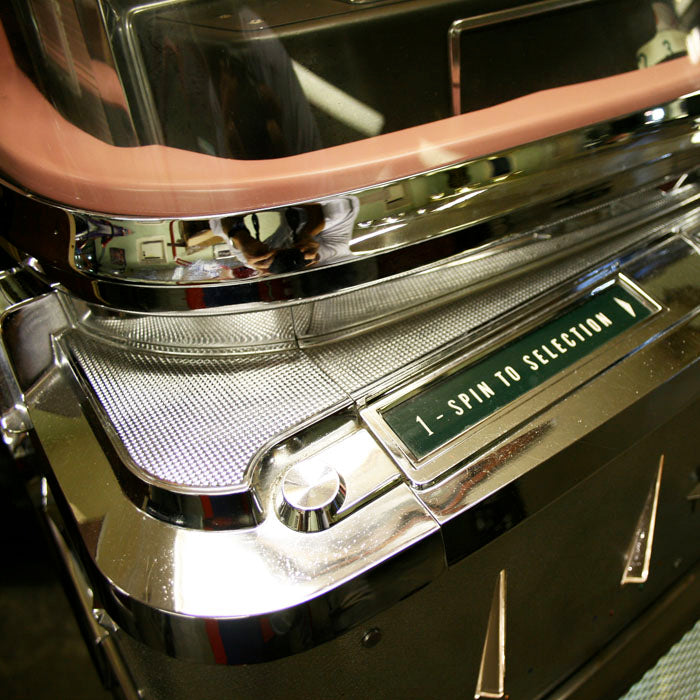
[244, 332]
[361, 361]
[197, 422]
[676, 675]
[330, 315]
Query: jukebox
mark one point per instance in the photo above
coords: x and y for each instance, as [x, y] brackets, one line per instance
[352, 347]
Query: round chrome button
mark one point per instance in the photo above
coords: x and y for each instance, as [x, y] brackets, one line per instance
[311, 495]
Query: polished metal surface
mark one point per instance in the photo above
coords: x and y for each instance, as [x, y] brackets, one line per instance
[311, 496]
[383, 519]
[358, 311]
[185, 422]
[563, 566]
[363, 468]
[492, 670]
[337, 316]
[266, 330]
[103, 642]
[477, 448]
[151, 573]
[639, 555]
[537, 453]
[219, 476]
[392, 353]
[197, 422]
[145, 265]
[269, 570]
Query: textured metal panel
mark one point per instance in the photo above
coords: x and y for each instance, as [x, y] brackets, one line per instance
[359, 362]
[197, 422]
[244, 332]
[676, 676]
[408, 292]
[430, 644]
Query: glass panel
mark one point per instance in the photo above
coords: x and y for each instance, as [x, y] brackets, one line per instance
[265, 80]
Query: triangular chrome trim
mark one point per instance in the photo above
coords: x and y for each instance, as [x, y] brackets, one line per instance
[492, 672]
[639, 553]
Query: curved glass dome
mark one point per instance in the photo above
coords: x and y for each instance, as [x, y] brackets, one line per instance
[189, 108]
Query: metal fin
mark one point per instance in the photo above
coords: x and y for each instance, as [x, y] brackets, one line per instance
[492, 672]
[639, 554]
[694, 495]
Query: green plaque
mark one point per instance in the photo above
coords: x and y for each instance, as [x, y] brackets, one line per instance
[449, 406]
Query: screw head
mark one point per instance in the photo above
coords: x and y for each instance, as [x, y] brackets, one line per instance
[371, 638]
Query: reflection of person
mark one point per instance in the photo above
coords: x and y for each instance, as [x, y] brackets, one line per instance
[291, 247]
[339, 215]
[310, 234]
[243, 101]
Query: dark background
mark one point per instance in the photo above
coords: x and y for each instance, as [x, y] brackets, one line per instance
[42, 654]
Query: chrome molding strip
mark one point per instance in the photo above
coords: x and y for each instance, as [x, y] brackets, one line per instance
[539, 450]
[639, 555]
[477, 440]
[273, 328]
[101, 641]
[398, 227]
[492, 671]
[169, 498]
[306, 587]
[485, 20]
[392, 541]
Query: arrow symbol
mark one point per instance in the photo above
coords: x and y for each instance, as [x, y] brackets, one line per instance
[626, 306]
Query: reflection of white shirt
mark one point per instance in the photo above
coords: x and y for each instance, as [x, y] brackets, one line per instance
[237, 259]
[339, 214]
[333, 240]
[203, 270]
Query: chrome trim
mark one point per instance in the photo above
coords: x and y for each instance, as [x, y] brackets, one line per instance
[650, 371]
[178, 490]
[485, 20]
[17, 289]
[305, 587]
[341, 315]
[311, 495]
[492, 670]
[476, 439]
[463, 205]
[162, 582]
[362, 470]
[639, 554]
[94, 617]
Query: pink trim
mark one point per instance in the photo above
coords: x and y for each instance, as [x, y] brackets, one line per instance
[50, 156]
[107, 80]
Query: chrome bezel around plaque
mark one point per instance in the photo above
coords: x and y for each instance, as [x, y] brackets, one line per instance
[424, 471]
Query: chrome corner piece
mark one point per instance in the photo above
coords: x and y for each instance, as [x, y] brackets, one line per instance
[313, 426]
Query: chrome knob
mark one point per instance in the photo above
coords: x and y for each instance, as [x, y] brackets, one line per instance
[310, 496]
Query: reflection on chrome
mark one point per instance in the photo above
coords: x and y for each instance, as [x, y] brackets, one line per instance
[349, 228]
[228, 248]
[253, 254]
